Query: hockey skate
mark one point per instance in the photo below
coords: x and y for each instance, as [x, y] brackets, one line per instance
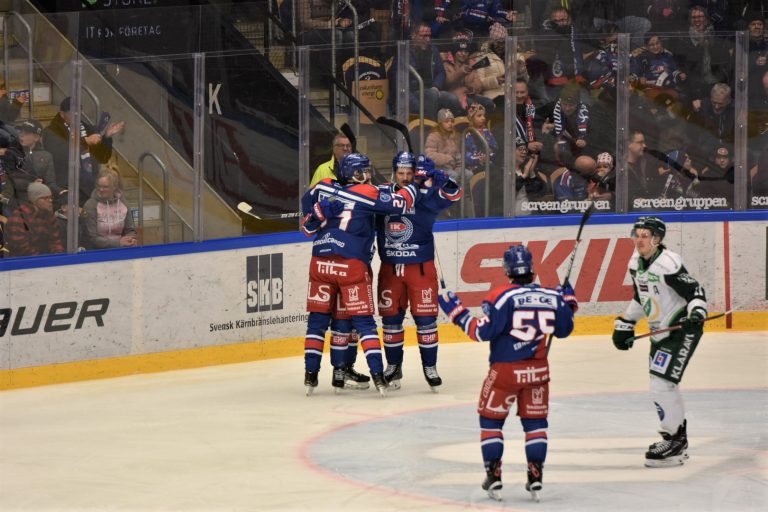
[393, 375]
[310, 381]
[433, 379]
[355, 380]
[534, 485]
[492, 483]
[381, 383]
[672, 450]
[338, 380]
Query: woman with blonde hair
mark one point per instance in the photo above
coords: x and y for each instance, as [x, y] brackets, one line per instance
[108, 220]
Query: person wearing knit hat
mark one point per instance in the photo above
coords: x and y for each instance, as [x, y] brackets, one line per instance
[37, 190]
[32, 229]
[570, 117]
[444, 114]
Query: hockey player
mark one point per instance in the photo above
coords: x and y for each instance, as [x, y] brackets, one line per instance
[516, 319]
[340, 216]
[408, 274]
[666, 294]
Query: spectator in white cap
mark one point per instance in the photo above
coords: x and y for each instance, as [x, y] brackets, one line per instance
[603, 183]
[32, 229]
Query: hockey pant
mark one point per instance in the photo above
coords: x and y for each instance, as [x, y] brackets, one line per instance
[492, 439]
[394, 338]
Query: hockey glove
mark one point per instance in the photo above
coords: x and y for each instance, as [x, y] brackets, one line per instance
[326, 209]
[695, 321]
[451, 305]
[439, 178]
[569, 296]
[623, 333]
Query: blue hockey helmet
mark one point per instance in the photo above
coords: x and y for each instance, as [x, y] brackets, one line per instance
[403, 159]
[518, 261]
[654, 224]
[353, 168]
[424, 165]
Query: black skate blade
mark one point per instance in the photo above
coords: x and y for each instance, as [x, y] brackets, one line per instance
[669, 462]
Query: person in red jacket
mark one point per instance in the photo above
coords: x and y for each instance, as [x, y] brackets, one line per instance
[32, 228]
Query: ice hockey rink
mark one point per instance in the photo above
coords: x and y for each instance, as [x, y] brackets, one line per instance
[245, 437]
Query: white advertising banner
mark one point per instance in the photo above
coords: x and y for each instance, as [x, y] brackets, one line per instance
[101, 310]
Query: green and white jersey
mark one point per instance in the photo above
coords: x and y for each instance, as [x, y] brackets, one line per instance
[664, 291]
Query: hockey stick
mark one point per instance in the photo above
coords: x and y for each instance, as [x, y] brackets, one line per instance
[584, 218]
[675, 327]
[439, 268]
[397, 125]
[248, 210]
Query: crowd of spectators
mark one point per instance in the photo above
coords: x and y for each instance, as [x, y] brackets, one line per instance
[682, 68]
[34, 176]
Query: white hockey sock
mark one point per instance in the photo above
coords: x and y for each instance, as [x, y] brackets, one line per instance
[669, 404]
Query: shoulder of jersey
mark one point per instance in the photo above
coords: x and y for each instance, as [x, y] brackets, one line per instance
[493, 295]
[633, 261]
[668, 262]
[365, 189]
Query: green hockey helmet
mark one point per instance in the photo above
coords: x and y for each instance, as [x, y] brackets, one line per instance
[654, 224]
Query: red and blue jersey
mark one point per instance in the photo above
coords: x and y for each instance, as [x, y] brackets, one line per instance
[407, 238]
[351, 233]
[517, 321]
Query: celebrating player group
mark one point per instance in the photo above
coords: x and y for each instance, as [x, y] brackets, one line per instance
[348, 216]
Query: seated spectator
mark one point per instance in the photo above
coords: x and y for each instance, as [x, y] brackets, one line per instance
[713, 119]
[642, 182]
[425, 59]
[32, 229]
[443, 145]
[602, 184]
[654, 66]
[571, 185]
[705, 58]
[717, 177]
[108, 219]
[558, 58]
[457, 72]
[95, 147]
[526, 114]
[601, 65]
[570, 124]
[488, 80]
[11, 108]
[38, 163]
[474, 151]
[528, 185]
